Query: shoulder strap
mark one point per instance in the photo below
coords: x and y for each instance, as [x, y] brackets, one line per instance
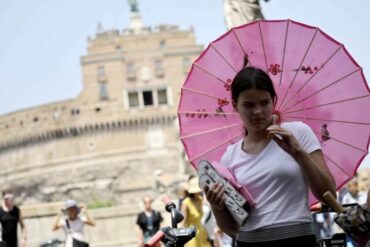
[209, 215]
[68, 226]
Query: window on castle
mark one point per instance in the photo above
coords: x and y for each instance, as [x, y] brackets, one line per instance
[130, 72]
[185, 62]
[75, 111]
[103, 91]
[100, 74]
[162, 43]
[162, 97]
[158, 68]
[101, 71]
[130, 68]
[158, 64]
[148, 98]
[133, 99]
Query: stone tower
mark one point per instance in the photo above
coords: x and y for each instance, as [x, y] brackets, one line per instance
[114, 140]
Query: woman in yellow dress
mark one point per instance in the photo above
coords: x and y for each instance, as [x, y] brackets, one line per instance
[192, 211]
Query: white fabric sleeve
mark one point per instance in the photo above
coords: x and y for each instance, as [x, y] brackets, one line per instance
[225, 159]
[306, 137]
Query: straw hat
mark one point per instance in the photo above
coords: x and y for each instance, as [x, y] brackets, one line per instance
[193, 186]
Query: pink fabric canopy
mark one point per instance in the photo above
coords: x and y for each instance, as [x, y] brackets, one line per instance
[317, 81]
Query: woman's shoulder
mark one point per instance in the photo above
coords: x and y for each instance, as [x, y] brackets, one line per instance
[231, 151]
[294, 125]
[186, 201]
[297, 127]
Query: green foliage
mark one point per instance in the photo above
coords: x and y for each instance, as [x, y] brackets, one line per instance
[100, 204]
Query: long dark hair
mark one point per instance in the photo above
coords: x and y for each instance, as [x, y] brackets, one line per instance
[250, 78]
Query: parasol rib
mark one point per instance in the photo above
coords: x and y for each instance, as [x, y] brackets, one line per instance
[283, 59]
[263, 47]
[209, 73]
[326, 104]
[338, 166]
[212, 130]
[329, 120]
[240, 44]
[217, 146]
[343, 142]
[205, 94]
[219, 53]
[300, 65]
[309, 79]
[322, 89]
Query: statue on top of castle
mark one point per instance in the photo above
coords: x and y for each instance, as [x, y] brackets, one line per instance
[239, 12]
[133, 5]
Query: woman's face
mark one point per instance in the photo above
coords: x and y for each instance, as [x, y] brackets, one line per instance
[255, 108]
[9, 200]
[72, 213]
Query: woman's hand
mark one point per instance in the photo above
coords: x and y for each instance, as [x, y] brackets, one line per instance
[83, 208]
[215, 196]
[285, 139]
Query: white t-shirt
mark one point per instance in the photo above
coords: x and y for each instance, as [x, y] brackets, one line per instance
[360, 198]
[274, 179]
[208, 221]
[76, 231]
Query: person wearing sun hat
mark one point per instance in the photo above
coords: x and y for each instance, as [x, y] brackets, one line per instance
[74, 222]
[193, 212]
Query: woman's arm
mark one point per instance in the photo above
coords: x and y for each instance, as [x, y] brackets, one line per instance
[57, 224]
[316, 173]
[23, 230]
[89, 220]
[139, 236]
[313, 165]
[215, 197]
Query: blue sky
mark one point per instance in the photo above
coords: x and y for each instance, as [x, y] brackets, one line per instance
[42, 40]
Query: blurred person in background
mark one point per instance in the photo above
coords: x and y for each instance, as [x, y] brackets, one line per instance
[2, 244]
[10, 216]
[181, 193]
[353, 195]
[192, 210]
[148, 222]
[222, 239]
[73, 224]
[208, 221]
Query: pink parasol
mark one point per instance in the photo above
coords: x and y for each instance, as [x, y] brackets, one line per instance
[317, 81]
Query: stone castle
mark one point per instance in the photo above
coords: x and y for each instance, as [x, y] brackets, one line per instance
[119, 138]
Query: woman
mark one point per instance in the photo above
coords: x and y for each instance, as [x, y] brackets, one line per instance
[74, 223]
[10, 216]
[192, 211]
[277, 164]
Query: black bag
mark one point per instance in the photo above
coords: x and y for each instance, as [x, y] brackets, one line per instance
[79, 243]
[3, 244]
[76, 242]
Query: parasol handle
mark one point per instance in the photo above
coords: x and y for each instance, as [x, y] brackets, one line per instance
[330, 199]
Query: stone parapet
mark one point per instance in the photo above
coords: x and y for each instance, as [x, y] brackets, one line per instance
[115, 226]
